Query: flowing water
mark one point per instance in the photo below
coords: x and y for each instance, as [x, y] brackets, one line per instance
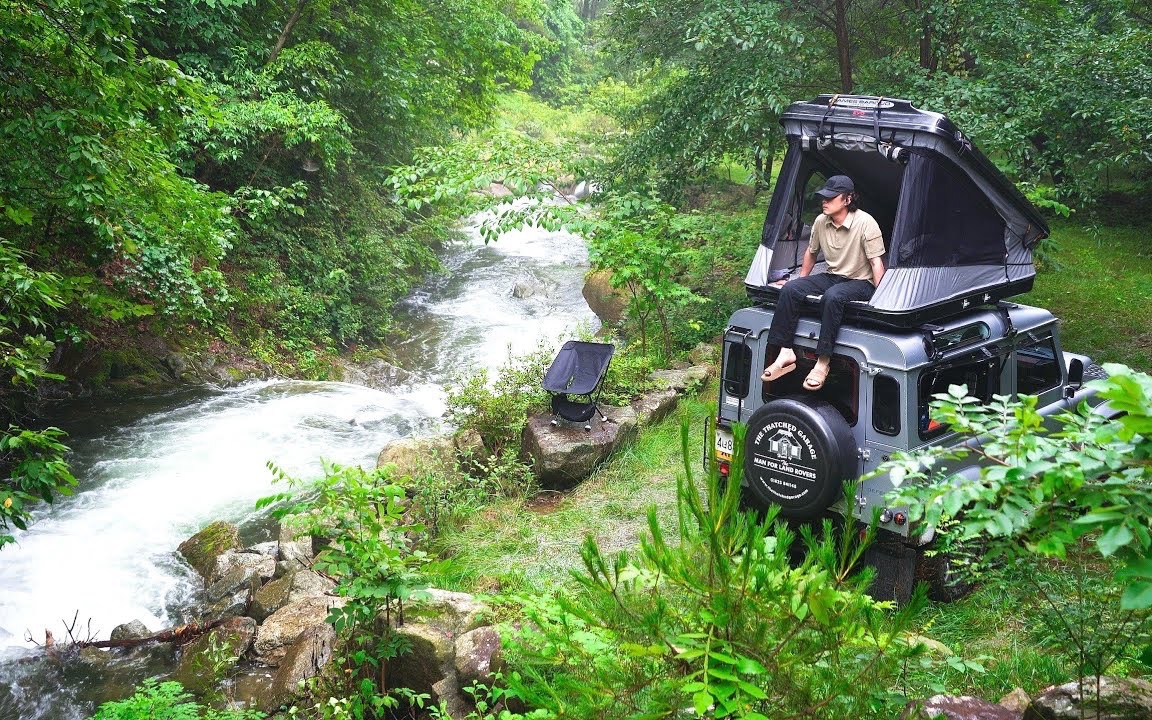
[154, 470]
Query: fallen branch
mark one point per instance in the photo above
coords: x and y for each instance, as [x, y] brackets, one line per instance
[181, 634]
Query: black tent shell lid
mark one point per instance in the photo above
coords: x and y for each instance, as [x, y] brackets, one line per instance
[905, 125]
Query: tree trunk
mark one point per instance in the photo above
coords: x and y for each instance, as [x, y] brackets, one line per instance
[843, 45]
[287, 31]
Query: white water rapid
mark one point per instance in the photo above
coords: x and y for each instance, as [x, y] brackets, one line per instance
[155, 470]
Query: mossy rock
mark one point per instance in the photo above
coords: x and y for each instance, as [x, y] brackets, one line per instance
[202, 549]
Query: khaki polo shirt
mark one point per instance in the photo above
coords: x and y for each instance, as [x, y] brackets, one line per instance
[848, 247]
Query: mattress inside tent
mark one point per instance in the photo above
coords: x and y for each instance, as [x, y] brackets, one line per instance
[958, 233]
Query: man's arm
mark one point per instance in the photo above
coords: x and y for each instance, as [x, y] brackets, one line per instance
[877, 270]
[808, 263]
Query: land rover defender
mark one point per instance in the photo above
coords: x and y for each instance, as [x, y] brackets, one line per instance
[959, 239]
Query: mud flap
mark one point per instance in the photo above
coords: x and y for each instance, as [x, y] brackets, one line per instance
[895, 566]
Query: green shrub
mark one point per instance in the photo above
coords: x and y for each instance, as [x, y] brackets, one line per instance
[1074, 488]
[716, 622]
[362, 515]
[166, 701]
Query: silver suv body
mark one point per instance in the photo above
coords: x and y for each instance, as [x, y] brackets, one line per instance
[959, 240]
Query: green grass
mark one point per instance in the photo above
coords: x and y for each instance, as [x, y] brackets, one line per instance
[1099, 283]
[515, 546]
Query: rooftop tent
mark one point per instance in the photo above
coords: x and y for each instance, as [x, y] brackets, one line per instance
[958, 232]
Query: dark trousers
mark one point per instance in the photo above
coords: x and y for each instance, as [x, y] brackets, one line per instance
[837, 290]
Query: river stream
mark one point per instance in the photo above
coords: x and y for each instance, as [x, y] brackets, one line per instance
[153, 470]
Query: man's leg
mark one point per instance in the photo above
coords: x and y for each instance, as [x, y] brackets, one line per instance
[787, 315]
[832, 308]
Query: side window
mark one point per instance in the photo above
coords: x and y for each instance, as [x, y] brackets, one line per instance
[1037, 368]
[841, 389]
[737, 369]
[981, 377]
[886, 405]
[812, 207]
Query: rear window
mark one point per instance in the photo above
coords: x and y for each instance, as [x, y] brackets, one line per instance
[737, 369]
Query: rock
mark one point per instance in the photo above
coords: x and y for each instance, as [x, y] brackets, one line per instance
[428, 662]
[294, 549]
[376, 373]
[202, 549]
[236, 579]
[957, 707]
[270, 549]
[176, 364]
[682, 380]
[414, 457]
[705, 354]
[281, 629]
[652, 407]
[1104, 698]
[565, 454]
[454, 613]
[470, 450]
[264, 565]
[609, 303]
[305, 659]
[525, 288]
[286, 590]
[478, 655]
[209, 657]
[130, 631]
[1017, 700]
[229, 606]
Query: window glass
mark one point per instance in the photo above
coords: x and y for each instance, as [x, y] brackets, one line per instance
[980, 376]
[886, 405]
[960, 336]
[1037, 369]
[737, 369]
[841, 389]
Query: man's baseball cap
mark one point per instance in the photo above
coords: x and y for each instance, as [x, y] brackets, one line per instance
[836, 185]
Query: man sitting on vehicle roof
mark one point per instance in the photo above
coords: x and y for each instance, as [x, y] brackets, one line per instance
[853, 247]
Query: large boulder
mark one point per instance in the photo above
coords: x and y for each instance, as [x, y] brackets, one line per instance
[607, 302]
[286, 590]
[1098, 698]
[478, 655]
[306, 658]
[202, 549]
[652, 407]
[209, 657]
[261, 565]
[293, 549]
[376, 373]
[563, 455]
[283, 628]
[957, 707]
[682, 380]
[454, 613]
[416, 456]
[429, 666]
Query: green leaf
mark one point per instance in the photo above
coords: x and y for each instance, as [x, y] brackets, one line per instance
[1137, 596]
[702, 702]
[1114, 539]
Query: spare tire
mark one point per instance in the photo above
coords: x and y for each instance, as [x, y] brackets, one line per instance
[797, 454]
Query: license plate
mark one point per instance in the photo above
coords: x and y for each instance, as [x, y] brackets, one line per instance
[723, 444]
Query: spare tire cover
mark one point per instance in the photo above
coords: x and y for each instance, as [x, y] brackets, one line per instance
[797, 454]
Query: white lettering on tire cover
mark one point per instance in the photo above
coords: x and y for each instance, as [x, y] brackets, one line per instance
[788, 456]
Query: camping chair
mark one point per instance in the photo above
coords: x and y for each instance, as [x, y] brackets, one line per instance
[575, 379]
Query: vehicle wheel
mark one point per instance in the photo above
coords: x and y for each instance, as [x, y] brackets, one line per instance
[797, 454]
[950, 575]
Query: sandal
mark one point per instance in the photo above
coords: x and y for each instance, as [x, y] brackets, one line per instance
[816, 378]
[775, 372]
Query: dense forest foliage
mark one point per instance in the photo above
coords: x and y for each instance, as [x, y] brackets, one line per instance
[238, 171]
